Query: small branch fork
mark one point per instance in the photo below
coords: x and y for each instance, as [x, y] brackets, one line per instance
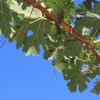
[64, 26]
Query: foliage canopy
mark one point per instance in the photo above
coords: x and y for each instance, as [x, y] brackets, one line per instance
[67, 33]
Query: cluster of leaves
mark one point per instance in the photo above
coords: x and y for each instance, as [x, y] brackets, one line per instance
[68, 55]
[96, 87]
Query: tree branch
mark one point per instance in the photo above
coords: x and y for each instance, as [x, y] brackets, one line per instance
[64, 26]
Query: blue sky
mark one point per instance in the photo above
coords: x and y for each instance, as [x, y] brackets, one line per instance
[33, 78]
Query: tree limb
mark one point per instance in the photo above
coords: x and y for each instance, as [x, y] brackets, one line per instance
[64, 26]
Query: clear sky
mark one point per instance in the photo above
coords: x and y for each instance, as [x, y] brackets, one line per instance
[33, 78]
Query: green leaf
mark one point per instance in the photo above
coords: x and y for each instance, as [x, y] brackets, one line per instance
[31, 51]
[57, 7]
[20, 35]
[96, 88]
[96, 8]
[5, 18]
